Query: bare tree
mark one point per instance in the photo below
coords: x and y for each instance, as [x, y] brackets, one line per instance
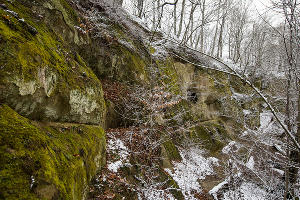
[189, 26]
[181, 18]
[225, 10]
[238, 21]
[291, 40]
[212, 52]
[140, 7]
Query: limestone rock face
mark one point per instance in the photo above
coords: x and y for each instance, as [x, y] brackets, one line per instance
[42, 78]
[52, 107]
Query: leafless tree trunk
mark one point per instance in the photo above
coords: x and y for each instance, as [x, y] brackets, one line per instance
[212, 52]
[292, 41]
[289, 125]
[203, 7]
[175, 19]
[159, 13]
[154, 16]
[181, 18]
[191, 30]
[187, 28]
[140, 7]
[220, 43]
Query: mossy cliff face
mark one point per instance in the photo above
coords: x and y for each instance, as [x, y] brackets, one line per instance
[52, 58]
[204, 89]
[116, 54]
[59, 68]
[211, 133]
[41, 76]
[47, 160]
[209, 104]
[207, 91]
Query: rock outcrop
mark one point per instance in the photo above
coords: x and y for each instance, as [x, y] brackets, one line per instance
[50, 154]
[47, 160]
[42, 77]
[54, 57]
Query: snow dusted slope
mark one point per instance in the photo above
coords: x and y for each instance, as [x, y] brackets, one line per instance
[116, 146]
[259, 177]
[247, 191]
[193, 168]
[238, 161]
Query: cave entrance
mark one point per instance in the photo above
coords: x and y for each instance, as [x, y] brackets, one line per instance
[192, 95]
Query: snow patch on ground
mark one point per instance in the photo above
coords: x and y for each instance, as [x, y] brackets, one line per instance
[239, 96]
[115, 166]
[247, 191]
[116, 146]
[265, 120]
[231, 147]
[250, 164]
[154, 194]
[215, 190]
[269, 129]
[192, 168]
[213, 161]
[228, 148]
[246, 112]
[268, 123]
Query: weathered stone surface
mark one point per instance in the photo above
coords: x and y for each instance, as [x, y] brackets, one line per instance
[42, 79]
[47, 160]
[54, 73]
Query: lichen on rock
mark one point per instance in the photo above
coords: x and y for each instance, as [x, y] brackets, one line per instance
[25, 88]
[86, 105]
[41, 73]
[48, 80]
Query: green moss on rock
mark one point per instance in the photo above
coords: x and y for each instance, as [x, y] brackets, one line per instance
[212, 134]
[169, 75]
[47, 161]
[70, 16]
[172, 151]
[171, 183]
[41, 74]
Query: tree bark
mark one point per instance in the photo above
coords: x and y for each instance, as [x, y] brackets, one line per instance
[202, 25]
[140, 7]
[220, 43]
[181, 18]
[175, 19]
[212, 52]
[187, 28]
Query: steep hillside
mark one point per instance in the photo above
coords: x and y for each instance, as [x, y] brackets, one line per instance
[72, 69]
